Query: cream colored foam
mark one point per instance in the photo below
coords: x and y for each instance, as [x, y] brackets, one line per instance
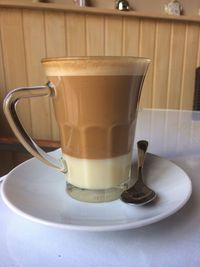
[98, 173]
[89, 66]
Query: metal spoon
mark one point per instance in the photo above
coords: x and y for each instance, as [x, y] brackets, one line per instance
[139, 193]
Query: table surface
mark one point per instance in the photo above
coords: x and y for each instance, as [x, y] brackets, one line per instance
[175, 241]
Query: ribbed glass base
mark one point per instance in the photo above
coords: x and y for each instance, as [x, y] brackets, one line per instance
[94, 196]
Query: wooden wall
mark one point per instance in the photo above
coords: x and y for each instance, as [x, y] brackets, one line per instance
[27, 35]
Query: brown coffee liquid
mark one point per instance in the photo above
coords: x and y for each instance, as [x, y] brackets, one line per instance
[96, 114]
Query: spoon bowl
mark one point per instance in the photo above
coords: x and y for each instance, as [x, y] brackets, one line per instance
[138, 197]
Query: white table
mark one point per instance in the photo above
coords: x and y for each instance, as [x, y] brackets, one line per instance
[172, 242]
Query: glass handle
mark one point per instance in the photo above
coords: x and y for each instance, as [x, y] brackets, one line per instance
[9, 107]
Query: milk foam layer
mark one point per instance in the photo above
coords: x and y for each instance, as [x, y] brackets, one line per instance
[95, 66]
[98, 174]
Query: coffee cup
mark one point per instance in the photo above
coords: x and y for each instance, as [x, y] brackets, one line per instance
[95, 103]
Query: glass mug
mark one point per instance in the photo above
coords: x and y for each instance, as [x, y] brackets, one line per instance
[95, 103]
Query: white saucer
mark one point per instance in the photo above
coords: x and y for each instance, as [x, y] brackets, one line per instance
[37, 193]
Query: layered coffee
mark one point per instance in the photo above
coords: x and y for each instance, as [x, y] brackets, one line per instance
[95, 102]
[96, 107]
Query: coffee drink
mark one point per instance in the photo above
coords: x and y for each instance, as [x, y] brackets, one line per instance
[95, 102]
[95, 107]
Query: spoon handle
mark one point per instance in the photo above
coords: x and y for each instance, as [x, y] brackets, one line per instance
[142, 148]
